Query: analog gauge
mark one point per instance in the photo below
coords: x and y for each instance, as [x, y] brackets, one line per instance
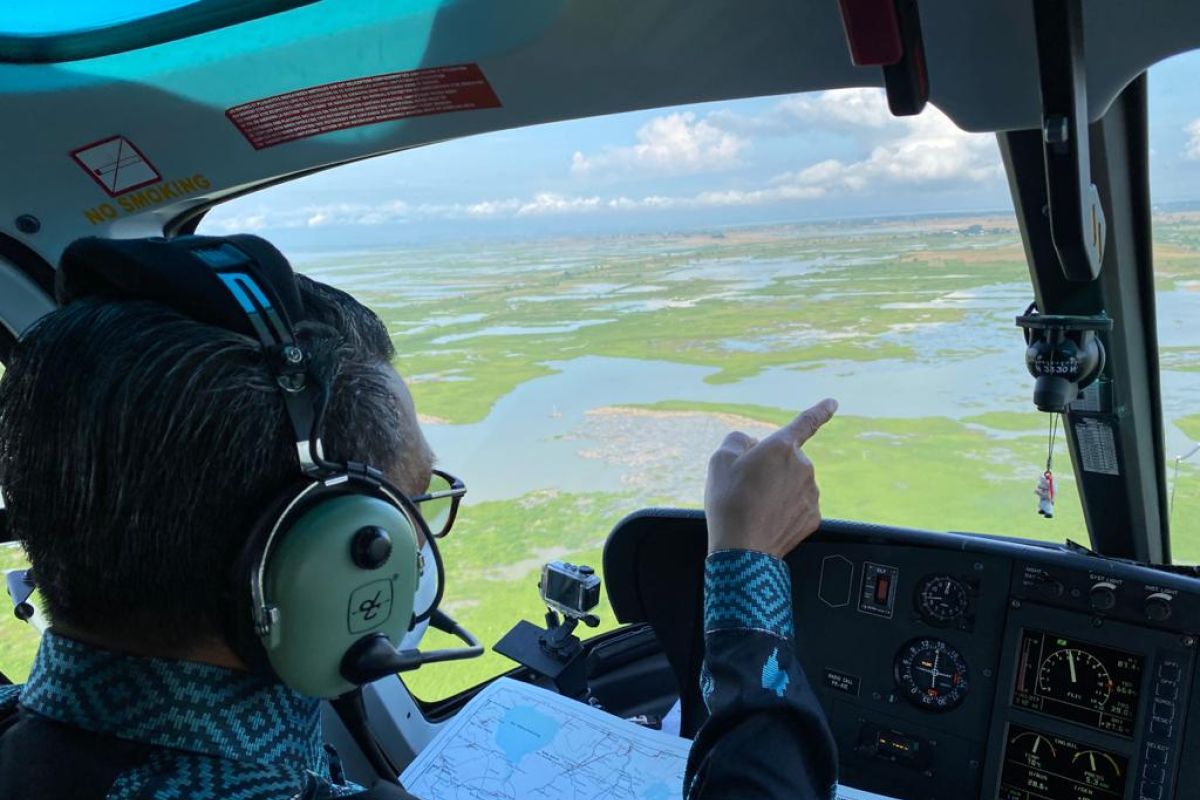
[1077, 677]
[941, 599]
[1042, 765]
[931, 674]
[1096, 768]
[1036, 750]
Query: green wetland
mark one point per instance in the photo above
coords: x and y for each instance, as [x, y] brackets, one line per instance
[572, 381]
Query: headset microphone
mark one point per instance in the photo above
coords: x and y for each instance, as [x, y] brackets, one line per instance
[324, 587]
[374, 657]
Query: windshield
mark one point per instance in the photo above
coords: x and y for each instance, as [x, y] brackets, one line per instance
[583, 310]
[576, 352]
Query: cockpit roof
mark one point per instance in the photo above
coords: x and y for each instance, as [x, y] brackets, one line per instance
[70, 16]
[186, 122]
[70, 30]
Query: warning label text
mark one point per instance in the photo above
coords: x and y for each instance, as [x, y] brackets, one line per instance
[362, 101]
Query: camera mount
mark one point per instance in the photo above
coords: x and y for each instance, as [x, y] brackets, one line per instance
[555, 652]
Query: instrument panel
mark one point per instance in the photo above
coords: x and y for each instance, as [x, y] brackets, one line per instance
[997, 671]
[953, 667]
[1083, 682]
[1040, 765]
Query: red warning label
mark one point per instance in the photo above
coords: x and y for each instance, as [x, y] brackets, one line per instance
[362, 101]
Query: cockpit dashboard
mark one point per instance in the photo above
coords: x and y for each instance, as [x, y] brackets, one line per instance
[954, 666]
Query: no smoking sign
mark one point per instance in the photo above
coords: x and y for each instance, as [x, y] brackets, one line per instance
[117, 165]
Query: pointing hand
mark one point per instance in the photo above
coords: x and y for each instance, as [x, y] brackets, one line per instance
[763, 495]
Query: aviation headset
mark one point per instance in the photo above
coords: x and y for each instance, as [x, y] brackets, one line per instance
[324, 585]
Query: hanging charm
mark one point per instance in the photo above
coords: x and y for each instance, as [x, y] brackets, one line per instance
[1046, 490]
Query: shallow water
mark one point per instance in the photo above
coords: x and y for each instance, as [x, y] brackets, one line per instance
[538, 436]
[530, 439]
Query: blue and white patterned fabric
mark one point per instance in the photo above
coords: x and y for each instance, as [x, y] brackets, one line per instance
[9, 695]
[747, 590]
[766, 737]
[217, 734]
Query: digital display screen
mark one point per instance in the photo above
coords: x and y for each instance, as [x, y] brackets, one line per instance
[1078, 682]
[1040, 766]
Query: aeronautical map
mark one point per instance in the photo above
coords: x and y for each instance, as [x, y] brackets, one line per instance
[515, 741]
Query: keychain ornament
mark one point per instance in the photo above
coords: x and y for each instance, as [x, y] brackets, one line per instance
[1046, 490]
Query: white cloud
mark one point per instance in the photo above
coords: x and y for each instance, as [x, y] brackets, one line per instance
[839, 108]
[543, 203]
[857, 111]
[311, 216]
[930, 150]
[547, 203]
[927, 149]
[1192, 149]
[240, 223]
[493, 208]
[910, 152]
[675, 144]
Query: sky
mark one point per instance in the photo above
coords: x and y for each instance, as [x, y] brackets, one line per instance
[835, 154]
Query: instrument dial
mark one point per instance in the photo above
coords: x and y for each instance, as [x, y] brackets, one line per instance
[1096, 768]
[1077, 677]
[941, 599]
[1043, 765]
[931, 674]
[1036, 750]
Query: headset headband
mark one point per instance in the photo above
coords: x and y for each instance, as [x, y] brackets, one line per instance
[240, 283]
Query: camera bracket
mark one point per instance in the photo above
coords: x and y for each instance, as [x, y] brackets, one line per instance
[555, 653]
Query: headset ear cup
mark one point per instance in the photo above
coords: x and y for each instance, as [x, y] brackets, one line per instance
[330, 587]
[239, 622]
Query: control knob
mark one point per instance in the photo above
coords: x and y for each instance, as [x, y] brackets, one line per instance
[1103, 596]
[1049, 586]
[1158, 607]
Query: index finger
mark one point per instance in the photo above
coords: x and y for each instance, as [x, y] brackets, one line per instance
[808, 422]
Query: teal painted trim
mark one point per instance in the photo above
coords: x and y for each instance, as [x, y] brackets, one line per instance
[175, 23]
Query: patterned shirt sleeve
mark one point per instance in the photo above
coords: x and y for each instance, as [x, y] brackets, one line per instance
[766, 736]
[9, 696]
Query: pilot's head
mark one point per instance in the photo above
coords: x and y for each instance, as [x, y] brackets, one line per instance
[138, 447]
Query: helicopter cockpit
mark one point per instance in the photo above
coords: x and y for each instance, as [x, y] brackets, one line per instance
[949, 665]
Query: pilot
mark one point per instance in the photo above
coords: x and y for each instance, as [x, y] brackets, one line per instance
[138, 445]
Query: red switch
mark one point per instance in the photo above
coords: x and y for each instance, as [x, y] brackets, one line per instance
[882, 586]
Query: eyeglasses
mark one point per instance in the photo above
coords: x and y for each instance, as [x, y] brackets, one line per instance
[439, 504]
